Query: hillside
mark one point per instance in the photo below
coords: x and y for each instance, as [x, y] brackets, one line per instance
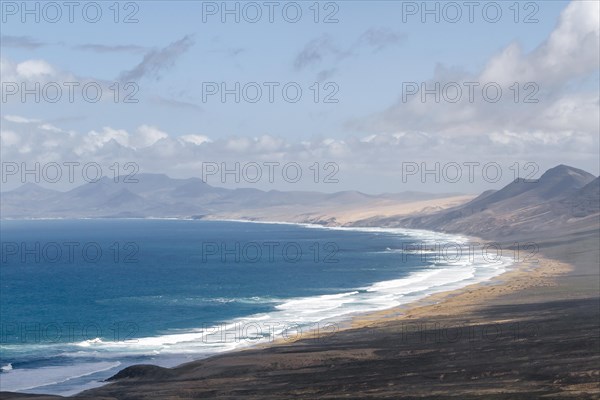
[563, 198]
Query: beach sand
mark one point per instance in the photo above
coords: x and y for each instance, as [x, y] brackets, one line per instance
[532, 332]
[341, 213]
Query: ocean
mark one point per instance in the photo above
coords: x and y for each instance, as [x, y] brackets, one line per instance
[82, 299]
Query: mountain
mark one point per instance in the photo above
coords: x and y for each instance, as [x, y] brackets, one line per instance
[555, 183]
[26, 199]
[563, 198]
[157, 195]
[585, 201]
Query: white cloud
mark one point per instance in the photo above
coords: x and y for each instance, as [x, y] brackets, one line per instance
[146, 136]
[20, 120]
[380, 158]
[95, 140]
[34, 69]
[558, 69]
[50, 127]
[9, 138]
[563, 126]
[577, 112]
[195, 139]
[238, 145]
[368, 138]
[269, 144]
[569, 51]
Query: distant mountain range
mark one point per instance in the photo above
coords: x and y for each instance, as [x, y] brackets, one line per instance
[563, 198]
[157, 195]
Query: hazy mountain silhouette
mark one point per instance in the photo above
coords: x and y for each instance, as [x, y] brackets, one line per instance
[157, 195]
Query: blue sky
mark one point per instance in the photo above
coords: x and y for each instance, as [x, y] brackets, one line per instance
[171, 54]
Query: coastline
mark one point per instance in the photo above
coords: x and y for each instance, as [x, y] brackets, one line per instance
[469, 297]
[541, 271]
[347, 320]
[519, 275]
[440, 347]
[458, 306]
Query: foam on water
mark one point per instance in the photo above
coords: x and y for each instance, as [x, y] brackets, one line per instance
[291, 318]
[303, 313]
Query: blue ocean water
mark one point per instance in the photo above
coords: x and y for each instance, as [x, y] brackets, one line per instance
[82, 299]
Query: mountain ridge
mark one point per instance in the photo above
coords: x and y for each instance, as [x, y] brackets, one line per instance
[562, 198]
[158, 195]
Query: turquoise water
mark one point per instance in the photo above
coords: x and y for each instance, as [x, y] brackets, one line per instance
[82, 299]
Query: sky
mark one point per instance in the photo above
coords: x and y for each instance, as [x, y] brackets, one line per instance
[376, 96]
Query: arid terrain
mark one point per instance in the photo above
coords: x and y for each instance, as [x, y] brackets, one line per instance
[530, 333]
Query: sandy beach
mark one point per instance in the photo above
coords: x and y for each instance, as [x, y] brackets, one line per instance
[528, 333]
[523, 276]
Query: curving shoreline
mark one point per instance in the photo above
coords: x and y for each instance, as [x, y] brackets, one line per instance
[459, 311]
[426, 279]
[526, 335]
